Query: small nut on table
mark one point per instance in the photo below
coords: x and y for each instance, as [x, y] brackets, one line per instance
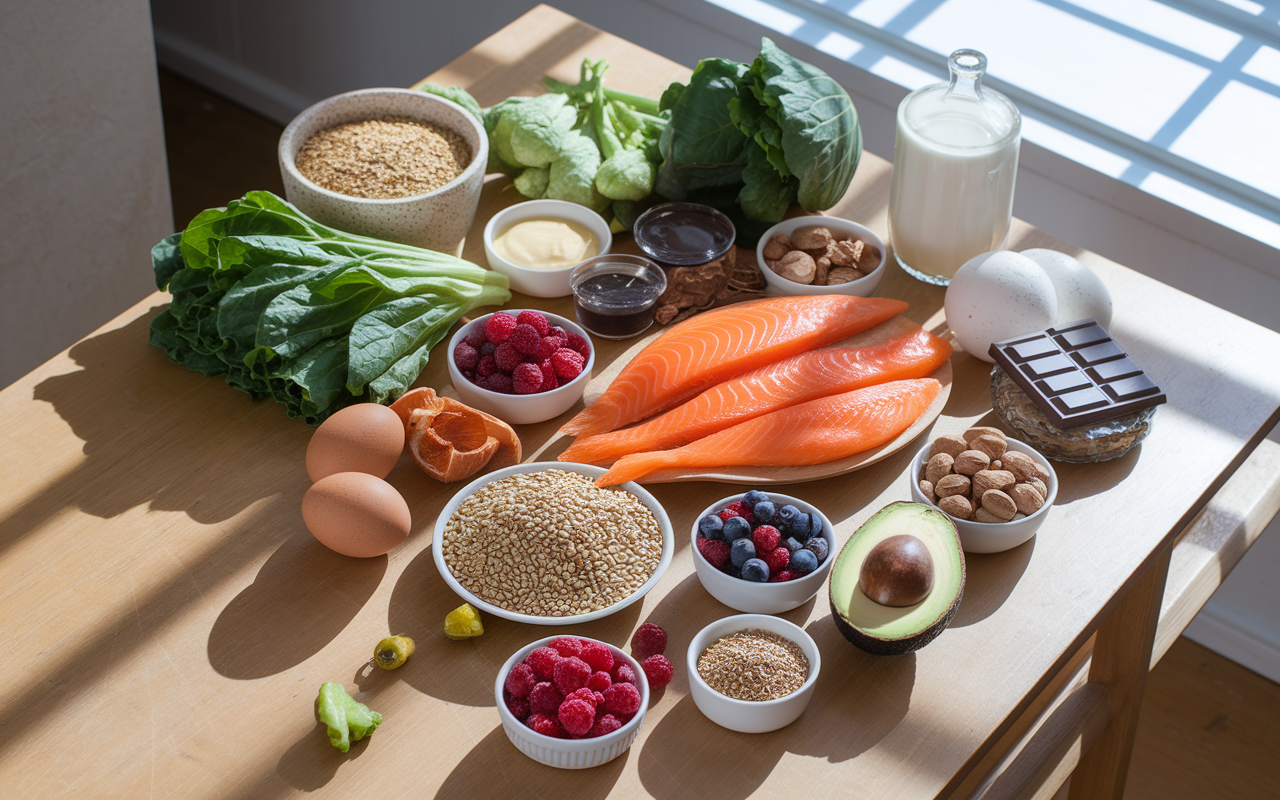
[985, 479]
[938, 467]
[1027, 498]
[993, 446]
[951, 445]
[816, 237]
[957, 505]
[797, 266]
[777, 247]
[952, 484]
[999, 504]
[970, 462]
[1021, 465]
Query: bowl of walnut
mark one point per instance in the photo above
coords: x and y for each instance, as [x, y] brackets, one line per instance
[997, 490]
[821, 255]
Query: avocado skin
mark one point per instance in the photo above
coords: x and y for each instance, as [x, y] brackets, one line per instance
[907, 644]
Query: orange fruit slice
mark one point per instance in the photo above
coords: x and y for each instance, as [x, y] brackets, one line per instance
[450, 440]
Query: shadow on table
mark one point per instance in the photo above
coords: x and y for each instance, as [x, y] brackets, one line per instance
[312, 761]
[989, 580]
[495, 768]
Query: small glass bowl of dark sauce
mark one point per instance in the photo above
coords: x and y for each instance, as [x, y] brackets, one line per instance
[616, 295]
[684, 234]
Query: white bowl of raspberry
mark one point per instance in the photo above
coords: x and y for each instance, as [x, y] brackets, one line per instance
[544, 734]
[513, 369]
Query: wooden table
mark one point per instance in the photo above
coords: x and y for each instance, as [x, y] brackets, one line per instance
[168, 618]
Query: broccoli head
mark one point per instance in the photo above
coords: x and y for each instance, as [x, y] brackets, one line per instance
[347, 720]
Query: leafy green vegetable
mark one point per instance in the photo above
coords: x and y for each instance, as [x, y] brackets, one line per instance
[347, 720]
[455, 93]
[317, 318]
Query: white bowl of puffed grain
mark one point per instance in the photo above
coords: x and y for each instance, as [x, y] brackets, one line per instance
[541, 543]
[394, 164]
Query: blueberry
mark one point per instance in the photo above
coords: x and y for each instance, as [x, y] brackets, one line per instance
[736, 528]
[802, 526]
[819, 546]
[813, 529]
[803, 561]
[752, 497]
[786, 516]
[792, 544]
[740, 551]
[755, 570]
[765, 511]
[710, 526]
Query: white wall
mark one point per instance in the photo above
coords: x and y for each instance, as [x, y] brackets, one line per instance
[84, 190]
[284, 56]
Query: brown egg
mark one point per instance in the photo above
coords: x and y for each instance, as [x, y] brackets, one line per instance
[356, 514]
[366, 437]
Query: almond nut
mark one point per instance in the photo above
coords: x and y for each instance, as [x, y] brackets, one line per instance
[993, 446]
[797, 266]
[938, 467]
[1027, 499]
[957, 505]
[951, 445]
[983, 430]
[1039, 487]
[970, 462]
[996, 464]
[983, 515]
[1021, 465]
[777, 247]
[952, 484]
[985, 479]
[815, 237]
[1000, 504]
[1042, 472]
[926, 489]
[842, 275]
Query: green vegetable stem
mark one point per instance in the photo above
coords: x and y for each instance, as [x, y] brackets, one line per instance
[347, 720]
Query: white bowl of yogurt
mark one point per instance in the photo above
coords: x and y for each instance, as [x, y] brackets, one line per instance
[537, 243]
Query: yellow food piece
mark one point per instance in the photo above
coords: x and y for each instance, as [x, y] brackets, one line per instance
[546, 243]
[393, 651]
[463, 622]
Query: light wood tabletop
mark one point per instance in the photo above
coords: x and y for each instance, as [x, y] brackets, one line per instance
[168, 619]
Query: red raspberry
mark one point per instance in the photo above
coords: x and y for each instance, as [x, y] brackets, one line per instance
[658, 670]
[777, 559]
[599, 701]
[577, 717]
[526, 339]
[578, 344]
[545, 698]
[622, 698]
[520, 680]
[499, 382]
[715, 551]
[545, 725]
[566, 646]
[570, 674]
[606, 724]
[536, 320]
[623, 673]
[543, 661]
[550, 344]
[466, 356]
[741, 509]
[568, 364]
[527, 379]
[584, 694]
[518, 706]
[486, 366]
[476, 338]
[556, 330]
[597, 655]
[488, 349]
[650, 639]
[599, 681]
[549, 380]
[506, 357]
[498, 328]
[766, 538]
[782, 576]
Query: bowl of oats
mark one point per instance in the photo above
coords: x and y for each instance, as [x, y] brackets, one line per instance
[393, 164]
[541, 543]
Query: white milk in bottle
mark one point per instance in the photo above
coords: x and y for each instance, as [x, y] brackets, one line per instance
[954, 165]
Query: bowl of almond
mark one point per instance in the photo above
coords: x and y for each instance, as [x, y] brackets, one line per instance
[821, 255]
[997, 490]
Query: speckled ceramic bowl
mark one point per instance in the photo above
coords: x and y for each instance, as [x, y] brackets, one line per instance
[436, 220]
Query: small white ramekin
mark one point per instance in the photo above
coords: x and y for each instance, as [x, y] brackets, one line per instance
[542, 282]
[862, 287]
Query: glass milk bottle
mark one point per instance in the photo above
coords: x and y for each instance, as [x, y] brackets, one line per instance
[954, 165]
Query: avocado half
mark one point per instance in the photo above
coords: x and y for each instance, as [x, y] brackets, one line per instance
[883, 630]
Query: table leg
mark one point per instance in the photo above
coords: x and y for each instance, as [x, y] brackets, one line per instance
[1121, 661]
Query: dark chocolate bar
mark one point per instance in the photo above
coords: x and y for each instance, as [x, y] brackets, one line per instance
[1076, 374]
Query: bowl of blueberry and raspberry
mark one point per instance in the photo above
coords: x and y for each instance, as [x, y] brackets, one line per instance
[521, 366]
[762, 553]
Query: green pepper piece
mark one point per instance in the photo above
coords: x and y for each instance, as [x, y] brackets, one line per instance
[348, 721]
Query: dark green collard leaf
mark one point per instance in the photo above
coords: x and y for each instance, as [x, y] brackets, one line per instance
[299, 319]
[321, 375]
[242, 306]
[702, 147]
[752, 118]
[821, 138]
[166, 259]
[765, 194]
[389, 345]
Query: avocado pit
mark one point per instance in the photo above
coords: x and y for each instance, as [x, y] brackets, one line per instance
[898, 572]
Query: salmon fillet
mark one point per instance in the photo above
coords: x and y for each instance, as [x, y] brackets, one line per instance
[822, 430]
[720, 344]
[794, 380]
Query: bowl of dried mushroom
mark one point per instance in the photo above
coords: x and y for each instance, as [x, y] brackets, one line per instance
[821, 255]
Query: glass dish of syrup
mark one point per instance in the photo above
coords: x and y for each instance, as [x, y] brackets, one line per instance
[616, 295]
[684, 234]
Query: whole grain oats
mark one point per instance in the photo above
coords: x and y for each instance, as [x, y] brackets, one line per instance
[754, 665]
[380, 159]
[551, 544]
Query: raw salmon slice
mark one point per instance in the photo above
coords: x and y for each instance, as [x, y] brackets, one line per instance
[795, 380]
[720, 344]
[815, 432]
